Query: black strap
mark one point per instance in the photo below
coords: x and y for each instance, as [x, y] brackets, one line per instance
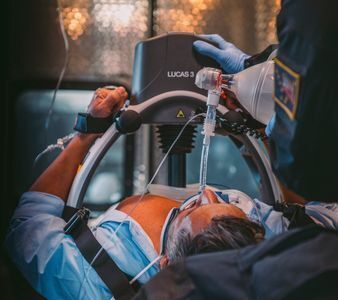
[295, 213]
[85, 123]
[68, 212]
[105, 267]
[260, 57]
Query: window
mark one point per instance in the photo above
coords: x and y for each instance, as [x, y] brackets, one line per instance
[31, 138]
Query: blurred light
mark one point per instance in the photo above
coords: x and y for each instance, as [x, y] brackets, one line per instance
[266, 13]
[250, 25]
[103, 34]
[75, 17]
[182, 15]
[121, 17]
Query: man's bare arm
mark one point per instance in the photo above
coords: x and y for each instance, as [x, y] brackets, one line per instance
[57, 179]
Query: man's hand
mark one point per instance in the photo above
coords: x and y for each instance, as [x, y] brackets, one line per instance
[227, 55]
[106, 102]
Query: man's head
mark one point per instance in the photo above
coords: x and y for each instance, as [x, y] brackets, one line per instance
[206, 225]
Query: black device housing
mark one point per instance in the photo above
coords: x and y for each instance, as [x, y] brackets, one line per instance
[168, 63]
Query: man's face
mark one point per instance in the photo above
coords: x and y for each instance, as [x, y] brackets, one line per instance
[197, 216]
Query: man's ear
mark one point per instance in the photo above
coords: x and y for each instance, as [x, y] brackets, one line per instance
[164, 262]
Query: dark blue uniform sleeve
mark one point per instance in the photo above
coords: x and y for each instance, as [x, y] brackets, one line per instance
[304, 139]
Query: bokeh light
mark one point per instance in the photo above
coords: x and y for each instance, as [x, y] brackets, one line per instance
[266, 12]
[180, 15]
[103, 33]
[121, 17]
[75, 18]
[238, 21]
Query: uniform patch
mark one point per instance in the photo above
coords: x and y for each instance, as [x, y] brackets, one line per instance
[287, 84]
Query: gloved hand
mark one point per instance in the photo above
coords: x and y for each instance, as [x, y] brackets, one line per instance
[227, 55]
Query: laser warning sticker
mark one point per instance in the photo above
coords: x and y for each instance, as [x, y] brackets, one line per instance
[180, 114]
[287, 84]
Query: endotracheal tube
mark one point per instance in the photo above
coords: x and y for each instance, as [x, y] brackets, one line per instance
[211, 80]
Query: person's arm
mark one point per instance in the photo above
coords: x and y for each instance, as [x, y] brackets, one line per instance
[58, 177]
[47, 257]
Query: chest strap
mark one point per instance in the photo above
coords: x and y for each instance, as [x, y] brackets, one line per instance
[295, 213]
[116, 280]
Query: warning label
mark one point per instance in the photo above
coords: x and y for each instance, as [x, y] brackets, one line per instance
[180, 114]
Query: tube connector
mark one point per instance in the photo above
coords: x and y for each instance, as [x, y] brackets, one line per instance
[213, 97]
[209, 79]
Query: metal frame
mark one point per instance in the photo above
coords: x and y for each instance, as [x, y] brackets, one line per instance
[102, 145]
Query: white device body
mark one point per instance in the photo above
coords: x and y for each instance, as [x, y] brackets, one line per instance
[254, 88]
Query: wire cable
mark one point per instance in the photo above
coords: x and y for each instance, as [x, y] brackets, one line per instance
[60, 144]
[57, 87]
[64, 68]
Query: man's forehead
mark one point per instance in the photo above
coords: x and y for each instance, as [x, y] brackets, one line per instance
[200, 218]
[211, 210]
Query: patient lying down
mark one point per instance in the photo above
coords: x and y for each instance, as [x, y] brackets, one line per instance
[200, 224]
[159, 228]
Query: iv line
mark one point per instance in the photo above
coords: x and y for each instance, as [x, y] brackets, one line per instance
[65, 64]
[60, 144]
[66, 139]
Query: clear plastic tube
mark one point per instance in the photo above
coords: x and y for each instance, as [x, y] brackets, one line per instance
[211, 80]
[208, 130]
[138, 201]
[204, 166]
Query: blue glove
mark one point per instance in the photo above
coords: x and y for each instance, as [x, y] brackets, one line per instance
[227, 55]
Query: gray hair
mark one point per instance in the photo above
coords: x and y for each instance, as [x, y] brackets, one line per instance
[223, 233]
